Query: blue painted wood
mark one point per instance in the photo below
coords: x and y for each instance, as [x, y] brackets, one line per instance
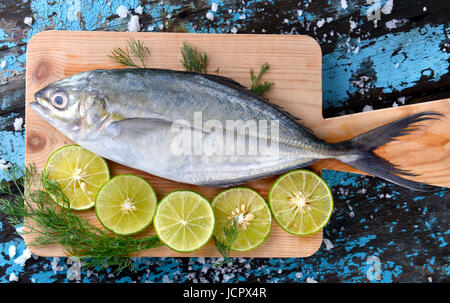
[378, 232]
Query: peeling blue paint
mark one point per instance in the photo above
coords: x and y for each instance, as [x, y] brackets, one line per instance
[420, 52]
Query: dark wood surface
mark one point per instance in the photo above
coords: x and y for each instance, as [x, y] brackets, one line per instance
[402, 58]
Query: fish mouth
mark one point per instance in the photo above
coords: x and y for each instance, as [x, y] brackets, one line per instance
[41, 110]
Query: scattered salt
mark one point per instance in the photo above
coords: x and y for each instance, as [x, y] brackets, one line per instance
[356, 50]
[344, 4]
[353, 24]
[161, 26]
[387, 8]
[122, 11]
[310, 280]
[74, 272]
[23, 258]
[19, 229]
[13, 277]
[328, 244]
[214, 7]
[286, 21]
[320, 23]
[367, 108]
[430, 279]
[401, 100]
[351, 214]
[394, 104]
[4, 165]
[329, 19]
[12, 251]
[242, 17]
[298, 275]
[391, 24]
[133, 24]
[28, 21]
[3, 64]
[234, 30]
[394, 23]
[139, 10]
[299, 12]
[210, 16]
[18, 124]
[54, 264]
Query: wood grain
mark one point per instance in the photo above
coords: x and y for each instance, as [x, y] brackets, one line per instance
[295, 68]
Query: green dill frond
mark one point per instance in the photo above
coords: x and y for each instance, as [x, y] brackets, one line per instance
[134, 49]
[40, 213]
[230, 231]
[192, 60]
[260, 88]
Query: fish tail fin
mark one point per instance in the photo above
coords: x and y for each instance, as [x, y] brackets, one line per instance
[360, 150]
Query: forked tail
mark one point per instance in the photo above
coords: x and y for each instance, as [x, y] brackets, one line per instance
[361, 148]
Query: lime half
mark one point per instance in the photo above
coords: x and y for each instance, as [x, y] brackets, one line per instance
[301, 202]
[250, 212]
[125, 204]
[184, 221]
[79, 172]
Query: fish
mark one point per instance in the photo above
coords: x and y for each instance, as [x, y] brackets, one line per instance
[202, 129]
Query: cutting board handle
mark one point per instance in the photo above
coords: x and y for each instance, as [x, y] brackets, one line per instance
[425, 151]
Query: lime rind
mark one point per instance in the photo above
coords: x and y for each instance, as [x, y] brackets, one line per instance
[218, 229]
[158, 214]
[61, 149]
[148, 221]
[329, 195]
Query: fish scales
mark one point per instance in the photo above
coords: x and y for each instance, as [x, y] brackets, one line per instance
[177, 125]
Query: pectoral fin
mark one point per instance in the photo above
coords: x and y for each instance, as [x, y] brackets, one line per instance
[142, 126]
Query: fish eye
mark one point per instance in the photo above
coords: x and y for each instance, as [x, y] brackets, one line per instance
[59, 100]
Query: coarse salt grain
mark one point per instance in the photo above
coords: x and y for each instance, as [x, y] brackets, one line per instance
[28, 21]
[210, 16]
[18, 124]
[328, 244]
[133, 24]
[13, 277]
[139, 10]
[12, 251]
[122, 11]
[23, 258]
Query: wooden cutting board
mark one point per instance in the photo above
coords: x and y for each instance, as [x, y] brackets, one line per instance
[295, 68]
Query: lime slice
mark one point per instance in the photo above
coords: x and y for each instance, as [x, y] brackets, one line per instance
[184, 221]
[79, 172]
[125, 204]
[251, 213]
[301, 202]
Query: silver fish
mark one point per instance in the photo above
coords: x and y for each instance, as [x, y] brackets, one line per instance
[147, 119]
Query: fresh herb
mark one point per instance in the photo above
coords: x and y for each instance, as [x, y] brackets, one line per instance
[134, 49]
[230, 231]
[30, 200]
[260, 88]
[193, 60]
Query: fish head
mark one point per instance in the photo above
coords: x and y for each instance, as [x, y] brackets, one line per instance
[71, 105]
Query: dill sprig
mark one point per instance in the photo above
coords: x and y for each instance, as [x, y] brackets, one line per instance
[192, 60]
[52, 224]
[134, 49]
[230, 231]
[257, 87]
